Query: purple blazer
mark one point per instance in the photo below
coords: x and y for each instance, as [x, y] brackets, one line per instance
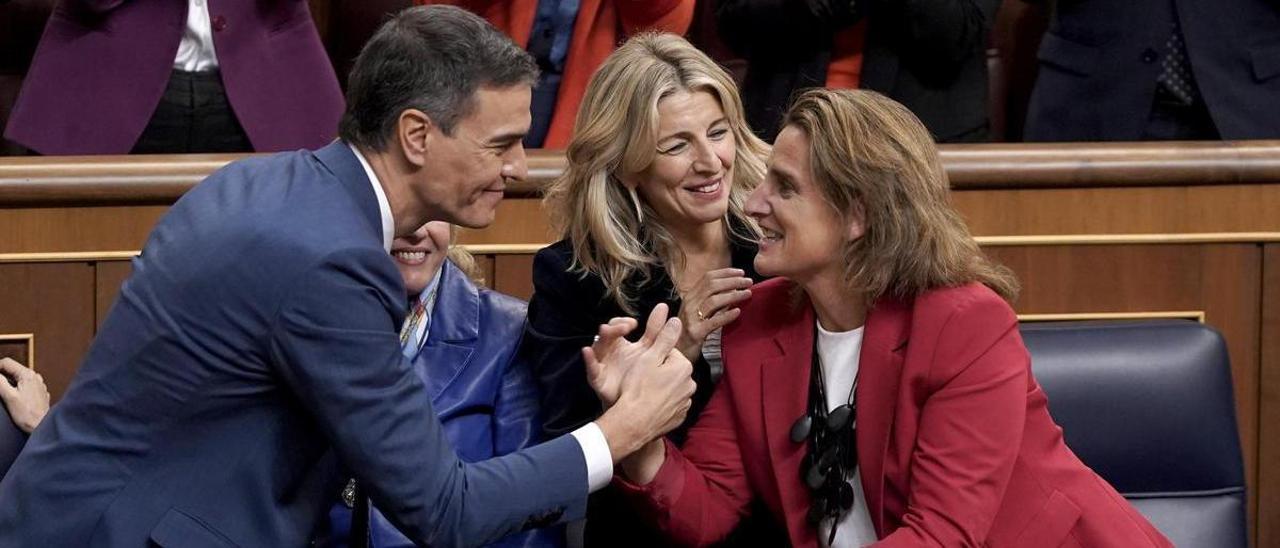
[102, 66]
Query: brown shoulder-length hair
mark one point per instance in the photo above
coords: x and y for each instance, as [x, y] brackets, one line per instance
[615, 234]
[871, 155]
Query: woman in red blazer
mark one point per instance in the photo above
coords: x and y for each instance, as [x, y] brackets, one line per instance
[946, 438]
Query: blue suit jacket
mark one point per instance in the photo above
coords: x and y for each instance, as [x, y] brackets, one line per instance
[482, 388]
[253, 349]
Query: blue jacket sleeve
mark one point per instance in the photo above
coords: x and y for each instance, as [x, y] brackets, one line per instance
[516, 425]
[334, 344]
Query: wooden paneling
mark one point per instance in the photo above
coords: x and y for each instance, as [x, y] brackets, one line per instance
[1225, 208]
[18, 346]
[108, 278]
[513, 275]
[519, 221]
[76, 228]
[1269, 415]
[55, 302]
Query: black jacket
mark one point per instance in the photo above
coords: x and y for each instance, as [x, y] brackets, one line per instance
[926, 54]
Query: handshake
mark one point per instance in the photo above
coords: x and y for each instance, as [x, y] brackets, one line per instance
[644, 386]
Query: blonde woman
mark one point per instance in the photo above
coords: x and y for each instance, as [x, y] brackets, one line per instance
[650, 210]
[877, 392]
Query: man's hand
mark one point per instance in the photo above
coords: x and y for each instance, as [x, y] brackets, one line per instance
[28, 401]
[610, 346]
[653, 382]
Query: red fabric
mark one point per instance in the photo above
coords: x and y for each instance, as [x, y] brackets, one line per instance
[845, 70]
[954, 437]
[600, 26]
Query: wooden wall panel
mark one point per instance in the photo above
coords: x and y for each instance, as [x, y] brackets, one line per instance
[1269, 395]
[72, 229]
[513, 275]
[55, 302]
[519, 221]
[108, 278]
[1227, 208]
[18, 346]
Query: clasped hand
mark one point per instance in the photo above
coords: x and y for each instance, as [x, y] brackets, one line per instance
[645, 385]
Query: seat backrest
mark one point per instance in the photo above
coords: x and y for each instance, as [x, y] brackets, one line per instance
[1149, 406]
[11, 438]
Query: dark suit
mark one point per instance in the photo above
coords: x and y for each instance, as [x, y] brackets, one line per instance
[482, 389]
[1100, 58]
[564, 313]
[928, 55]
[253, 349]
[102, 67]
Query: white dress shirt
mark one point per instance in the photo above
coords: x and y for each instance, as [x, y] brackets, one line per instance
[595, 448]
[195, 51]
[840, 355]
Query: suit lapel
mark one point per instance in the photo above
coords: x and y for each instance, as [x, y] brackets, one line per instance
[879, 376]
[455, 325]
[785, 389]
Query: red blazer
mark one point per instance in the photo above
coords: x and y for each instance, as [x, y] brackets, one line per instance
[955, 442]
[600, 27]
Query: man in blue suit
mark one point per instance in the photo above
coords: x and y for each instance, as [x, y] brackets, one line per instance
[253, 354]
[463, 341]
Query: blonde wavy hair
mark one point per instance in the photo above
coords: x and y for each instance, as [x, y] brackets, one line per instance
[870, 153]
[610, 228]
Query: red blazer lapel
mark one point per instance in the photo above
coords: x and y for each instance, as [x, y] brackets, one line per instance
[879, 373]
[785, 388]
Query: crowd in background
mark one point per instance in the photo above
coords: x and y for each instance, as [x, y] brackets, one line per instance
[235, 79]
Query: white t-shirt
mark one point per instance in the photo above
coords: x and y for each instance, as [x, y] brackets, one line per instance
[839, 352]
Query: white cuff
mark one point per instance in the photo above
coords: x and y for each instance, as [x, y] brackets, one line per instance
[595, 450]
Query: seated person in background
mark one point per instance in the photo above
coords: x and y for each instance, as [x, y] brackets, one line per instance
[480, 385]
[899, 407]
[929, 55]
[649, 210]
[26, 400]
[570, 39]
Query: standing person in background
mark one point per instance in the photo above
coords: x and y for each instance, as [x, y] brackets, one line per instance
[570, 39]
[649, 210]
[121, 76]
[1154, 70]
[929, 55]
[462, 340]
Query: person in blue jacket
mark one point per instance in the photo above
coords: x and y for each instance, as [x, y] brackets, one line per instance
[480, 384]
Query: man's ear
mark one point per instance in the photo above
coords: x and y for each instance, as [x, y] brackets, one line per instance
[416, 133]
[857, 222]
